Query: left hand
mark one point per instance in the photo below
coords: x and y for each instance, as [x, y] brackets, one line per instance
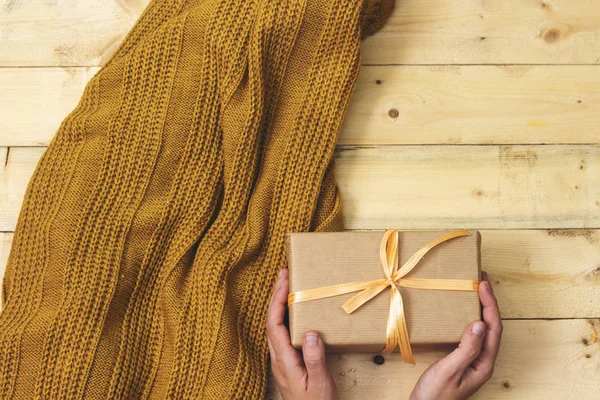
[298, 376]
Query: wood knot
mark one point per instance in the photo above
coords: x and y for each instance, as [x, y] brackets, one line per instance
[378, 359]
[393, 113]
[552, 35]
[506, 385]
[378, 81]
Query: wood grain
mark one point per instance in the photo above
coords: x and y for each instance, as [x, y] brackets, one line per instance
[538, 360]
[474, 105]
[488, 32]
[36, 100]
[86, 32]
[16, 167]
[479, 187]
[535, 273]
[5, 243]
[64, 33]
[428, 187]
[435, 105]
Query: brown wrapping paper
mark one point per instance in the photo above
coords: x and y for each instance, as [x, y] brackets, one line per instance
[434, 316]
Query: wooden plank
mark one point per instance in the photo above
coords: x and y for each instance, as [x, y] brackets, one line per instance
[481, 187]
[429, 187]
[436, 105]
[16, 167]
[488, 32]
[36, 100]
[64, 33]
[86, 32]
[536, 273]
[544, 273]
[5, 243]
[538, 360]
[474, 105]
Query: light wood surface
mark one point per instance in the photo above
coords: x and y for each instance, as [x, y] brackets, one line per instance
[429, 187]
[535, 273]
[474, 105]
[467, 114]
[537, 360]
[86, 32]
[435, 104]
[483, 187]
[488, 32]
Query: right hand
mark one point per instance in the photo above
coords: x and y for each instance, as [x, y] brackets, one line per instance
[464, 371]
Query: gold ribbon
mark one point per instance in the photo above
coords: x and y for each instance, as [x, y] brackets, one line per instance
[397, 331]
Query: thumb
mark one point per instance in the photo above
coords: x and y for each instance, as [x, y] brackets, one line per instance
[467, 351]
[313, 351]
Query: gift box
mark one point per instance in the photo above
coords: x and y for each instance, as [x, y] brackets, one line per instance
[432, 316]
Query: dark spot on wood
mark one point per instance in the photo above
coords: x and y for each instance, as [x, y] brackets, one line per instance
[393, 113]
[506, 385]
[378, 359]
[585, 342]
[588, 356]
[594, 273]
[482, 38]
[579, 101]
[481, 16]
[378, 81]
[11, 5]
[552, 35]
[478, 193]
[6, 159]
[576, 187]
[509, 156]
[588, 234]
[341, 149]
[581, 166]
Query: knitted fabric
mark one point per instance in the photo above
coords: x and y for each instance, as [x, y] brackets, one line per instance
[153, 227]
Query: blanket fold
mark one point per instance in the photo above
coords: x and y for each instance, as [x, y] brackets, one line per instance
[153, 226]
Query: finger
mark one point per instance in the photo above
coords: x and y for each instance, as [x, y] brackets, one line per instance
[282, 351]
[484, 365]
[467, 351]
[313, 351]
[276, 330]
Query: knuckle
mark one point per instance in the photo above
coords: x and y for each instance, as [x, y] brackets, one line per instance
[471, 351]
[313, 362]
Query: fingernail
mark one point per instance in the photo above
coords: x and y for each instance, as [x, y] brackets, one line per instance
[280, 274]
[311, 339]
[478, 328]
[489, 286]
[484, 276]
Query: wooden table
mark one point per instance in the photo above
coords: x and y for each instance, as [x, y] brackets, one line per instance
[468, 114]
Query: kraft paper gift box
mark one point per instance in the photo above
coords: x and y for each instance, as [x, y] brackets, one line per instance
[319, 259]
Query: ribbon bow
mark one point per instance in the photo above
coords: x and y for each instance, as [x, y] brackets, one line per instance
[397, 330]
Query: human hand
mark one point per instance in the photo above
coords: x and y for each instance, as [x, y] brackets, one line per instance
[464, 371]
[298, 376]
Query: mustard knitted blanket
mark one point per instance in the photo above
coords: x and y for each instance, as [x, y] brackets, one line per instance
[154, 224]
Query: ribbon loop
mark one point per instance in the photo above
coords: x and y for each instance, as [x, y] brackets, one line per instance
[397, 329]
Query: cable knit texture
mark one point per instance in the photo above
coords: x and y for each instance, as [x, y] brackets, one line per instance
[153, 227]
